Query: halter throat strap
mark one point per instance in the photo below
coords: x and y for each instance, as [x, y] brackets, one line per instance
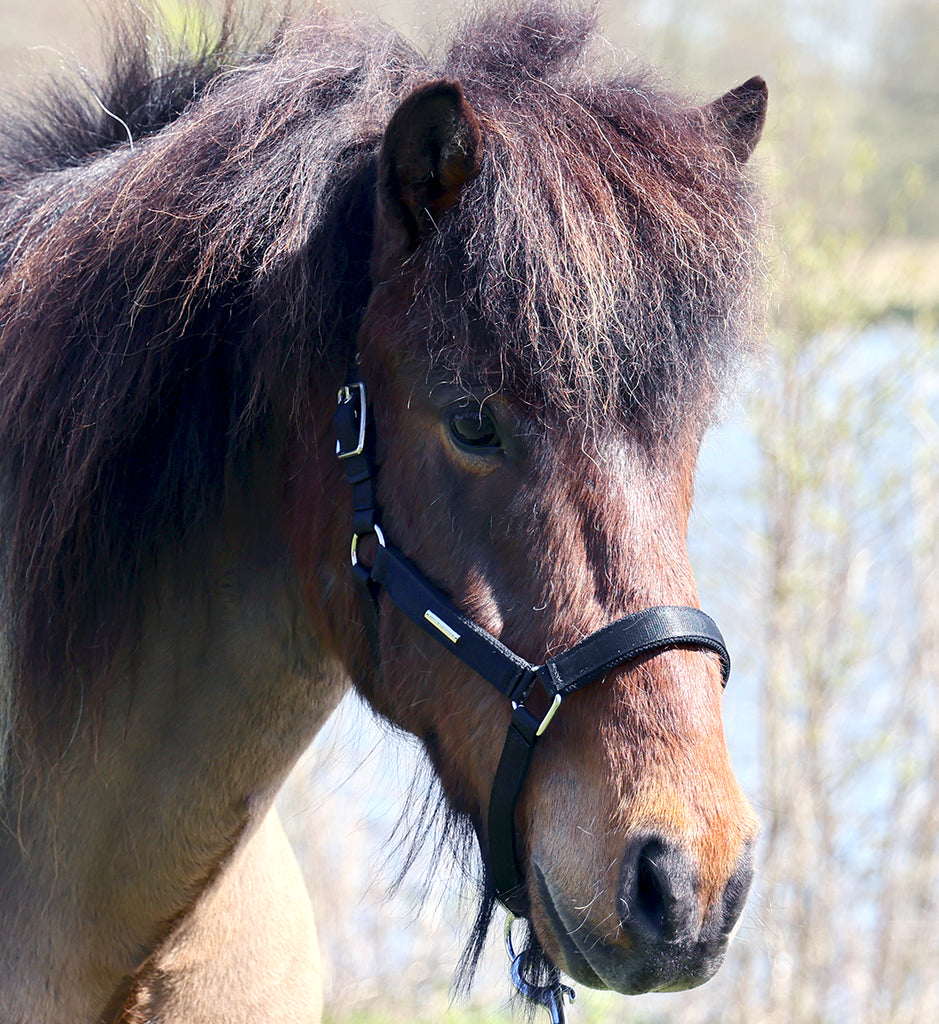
[647, 631]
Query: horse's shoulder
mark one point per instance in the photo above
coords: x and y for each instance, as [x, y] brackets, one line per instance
[246, 951]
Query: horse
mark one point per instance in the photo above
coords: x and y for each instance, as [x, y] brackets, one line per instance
[529, 278]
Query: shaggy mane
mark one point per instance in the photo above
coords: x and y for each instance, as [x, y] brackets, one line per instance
[184, 259]
[173, 271]
[600, 266]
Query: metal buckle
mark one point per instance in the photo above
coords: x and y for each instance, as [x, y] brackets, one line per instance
[350, 394]
[546, 721]
[355, 543]
[549, 714]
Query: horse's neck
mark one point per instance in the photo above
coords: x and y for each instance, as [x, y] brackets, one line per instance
[103, 861]
[247, 952]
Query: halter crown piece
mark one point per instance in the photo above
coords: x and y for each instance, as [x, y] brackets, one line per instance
[652, 629]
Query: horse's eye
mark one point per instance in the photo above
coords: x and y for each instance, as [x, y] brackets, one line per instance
[474, 429]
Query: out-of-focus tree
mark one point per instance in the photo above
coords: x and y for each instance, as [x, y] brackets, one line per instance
[902, 115]
[846, 769]
[841, 567]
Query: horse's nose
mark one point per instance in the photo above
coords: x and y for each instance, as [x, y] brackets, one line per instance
[659, 901]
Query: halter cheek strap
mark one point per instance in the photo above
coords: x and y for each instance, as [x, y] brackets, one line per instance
[653, 629]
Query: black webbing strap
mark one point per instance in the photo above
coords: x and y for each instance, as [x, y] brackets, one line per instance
[653, 629]
[428, 608]
[650, 630]
[355, 448]
[517, 752]
[637, 634]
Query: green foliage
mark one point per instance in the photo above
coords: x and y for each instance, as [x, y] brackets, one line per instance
[902, 115]
[187, 22]
[454, 1015]
[590, 1008]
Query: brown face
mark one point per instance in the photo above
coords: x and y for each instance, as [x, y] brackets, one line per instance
[633, 834]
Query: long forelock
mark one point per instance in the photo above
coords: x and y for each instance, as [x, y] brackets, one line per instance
[597, 269]
[600, 266]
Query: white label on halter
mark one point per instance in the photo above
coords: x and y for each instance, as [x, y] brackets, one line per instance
[451, 634]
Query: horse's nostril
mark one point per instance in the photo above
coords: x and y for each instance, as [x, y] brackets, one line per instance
[657, 898]
[650, 897]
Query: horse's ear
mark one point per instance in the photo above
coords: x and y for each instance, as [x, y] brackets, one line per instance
[431, 150]
[741, 114]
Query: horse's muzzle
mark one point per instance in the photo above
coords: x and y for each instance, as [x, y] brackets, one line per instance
[665, 941]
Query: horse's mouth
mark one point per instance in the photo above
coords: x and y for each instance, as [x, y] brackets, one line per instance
[598, 963]
[575, 963]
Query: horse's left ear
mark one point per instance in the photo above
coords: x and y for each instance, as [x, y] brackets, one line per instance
[431, 150]
[741, 114]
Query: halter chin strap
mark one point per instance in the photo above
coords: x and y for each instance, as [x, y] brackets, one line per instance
[653, 629]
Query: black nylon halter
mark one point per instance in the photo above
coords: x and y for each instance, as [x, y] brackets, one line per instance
[653, 629]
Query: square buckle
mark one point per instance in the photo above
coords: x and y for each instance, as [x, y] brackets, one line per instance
[353, 395]
[525, 723]
[549, 714]
[521, 691]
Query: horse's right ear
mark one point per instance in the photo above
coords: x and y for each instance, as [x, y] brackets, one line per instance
[740, 115]
[431, 150]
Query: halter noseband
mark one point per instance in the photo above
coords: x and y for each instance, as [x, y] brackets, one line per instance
[653, 629]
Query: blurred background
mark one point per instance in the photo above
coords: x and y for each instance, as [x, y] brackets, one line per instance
[815, 540]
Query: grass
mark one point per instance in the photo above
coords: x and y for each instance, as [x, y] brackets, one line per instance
[589, 1008]
[453, 1015]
